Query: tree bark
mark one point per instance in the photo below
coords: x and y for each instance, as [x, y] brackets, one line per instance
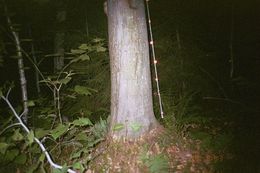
[131, 91]
[59, 40]
[36, 72]
[19, 55]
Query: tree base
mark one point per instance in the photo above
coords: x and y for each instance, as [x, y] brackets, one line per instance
[121, 155]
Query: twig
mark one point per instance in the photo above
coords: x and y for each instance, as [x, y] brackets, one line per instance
[12, 125]
[224, 99]
[35, 139]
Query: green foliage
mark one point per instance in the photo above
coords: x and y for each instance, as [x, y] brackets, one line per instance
[11, 154]
[31, 103]
[59, 130]
[3, 147]
[82, 122]
[118, 127]
[155, 163]
[63, 170]
[100, 129]
[82, 90]
[84, 49]
[77, 133]
[136, 126]
[40, 133]
[17, 136]
[30, 137]
[21, 159]
[78, 166]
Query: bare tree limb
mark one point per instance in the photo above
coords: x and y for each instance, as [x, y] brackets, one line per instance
[43, 148]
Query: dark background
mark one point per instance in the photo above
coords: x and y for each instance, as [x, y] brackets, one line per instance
[204, 28]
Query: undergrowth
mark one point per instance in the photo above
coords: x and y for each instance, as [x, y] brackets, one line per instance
[63, 121]
[198, 123]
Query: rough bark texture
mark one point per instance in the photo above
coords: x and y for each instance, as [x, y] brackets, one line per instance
[131, 91]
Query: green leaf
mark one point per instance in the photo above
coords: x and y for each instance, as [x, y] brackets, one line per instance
[78, 166]
[17, 136]
[118, 127]
[59, 130]
[65, 80]
[54, 170]
[84, 57]
[77, 51]
[52, 55]
[82, 122]
[71, 96]
[135, 126]
[84, 47]
[75, 60]
[21, 159]
[32, 168]
[82, 90]
[34, 149]
[3, 147]
[81, 137]
[30, 137]
[63, 170]
[44, 81]
[93, 143]
[158, 163]
[39, 133]
[96, 40]
[76, 155]
[101, 49]
[51, 115]
[31, 103]
[11, 154]
[79, 153]
[42, 157]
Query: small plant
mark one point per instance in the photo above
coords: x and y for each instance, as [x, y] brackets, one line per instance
[28, 149]
[155, 163]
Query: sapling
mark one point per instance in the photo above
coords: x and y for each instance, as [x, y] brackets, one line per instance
[27, 130]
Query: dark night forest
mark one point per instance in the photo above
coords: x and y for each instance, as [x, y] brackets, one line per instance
[129, 86]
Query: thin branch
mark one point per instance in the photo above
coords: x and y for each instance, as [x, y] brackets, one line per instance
[224, 99]
[8, 127]
[8, 92]
[21, 115]
[43, 148]
[37, 68]
[30, 59]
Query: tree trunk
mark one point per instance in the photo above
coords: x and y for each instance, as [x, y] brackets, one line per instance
[59, 40]
[36, 72]
[131, 93]
[19, 55]
[231, 60]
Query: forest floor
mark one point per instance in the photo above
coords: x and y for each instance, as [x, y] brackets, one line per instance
[161, 151]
